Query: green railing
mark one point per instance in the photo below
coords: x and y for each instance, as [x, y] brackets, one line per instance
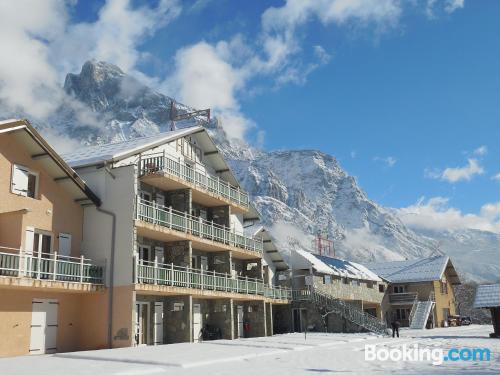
[180, 221]
[50, 267]
[200, 178]
[171, 275]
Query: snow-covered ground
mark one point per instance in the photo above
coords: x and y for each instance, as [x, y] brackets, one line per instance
[281, 354]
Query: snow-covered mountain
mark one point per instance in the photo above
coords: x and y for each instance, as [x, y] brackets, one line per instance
[298, 193]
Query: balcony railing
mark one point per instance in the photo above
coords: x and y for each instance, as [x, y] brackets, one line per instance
[180, 221]
[403, 298]
[171, 275]
[45, 266]
[200, 178]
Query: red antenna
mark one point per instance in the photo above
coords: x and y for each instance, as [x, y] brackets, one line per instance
[323, 245]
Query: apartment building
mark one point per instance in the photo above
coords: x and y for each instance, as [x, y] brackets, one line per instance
[420, 293]
[51, 292]
[182, 266]
[335, 294]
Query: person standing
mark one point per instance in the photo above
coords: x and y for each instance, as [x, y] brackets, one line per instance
[395, 327]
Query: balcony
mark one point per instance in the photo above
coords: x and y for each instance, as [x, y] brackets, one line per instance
[49, 267]
[403, 298]
[170, 275]
[214, 188]
[203, 230]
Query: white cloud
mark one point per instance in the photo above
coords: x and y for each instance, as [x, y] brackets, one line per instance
[481, 151]
[389, 161]
[40, 45]
[435, 214]
[496, 177]
[453, 5]
[465, 173]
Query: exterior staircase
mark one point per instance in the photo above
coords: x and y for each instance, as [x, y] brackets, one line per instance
[422, 310]
[352, 313]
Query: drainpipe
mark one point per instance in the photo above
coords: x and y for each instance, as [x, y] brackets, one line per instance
[111, 275]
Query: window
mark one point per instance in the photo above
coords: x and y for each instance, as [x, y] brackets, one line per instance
[24, 181]
[399, 289]
[381, 288]
[178, 306]
[346, 281]
[444, 287]
[402, 314]
[327, 279]
[355, 282]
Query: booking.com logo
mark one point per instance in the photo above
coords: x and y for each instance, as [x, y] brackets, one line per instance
[413, 353]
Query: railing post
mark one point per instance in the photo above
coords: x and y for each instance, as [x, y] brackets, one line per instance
[155, 273]
[22, 263]
[186, 222]
[54, 271]
[201, 277]
[212, 233]
[247, 282]
[136, 270]
[170, 217]
[225, 281]
[171, 273]
[81, 268]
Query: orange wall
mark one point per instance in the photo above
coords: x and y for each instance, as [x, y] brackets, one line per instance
[77, 319]
[54, 210]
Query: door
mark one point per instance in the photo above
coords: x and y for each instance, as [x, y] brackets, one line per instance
[161, 212]
[64, 244]
[160, 255]
[239, 321]
[44, 326]
[297, 320]
[197, 323]
[158, 323]
[141, 323]
[204, 263]
[144, 254]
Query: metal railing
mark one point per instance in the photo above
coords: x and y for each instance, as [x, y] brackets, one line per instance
[348, 311]
[413, 309]
[403, 298]
[180, 221]
[163, 163]
[50, 266]
[172, 275]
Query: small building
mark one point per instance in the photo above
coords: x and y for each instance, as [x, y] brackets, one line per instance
[488, 297]
[337, 285]
[52, 294]
[420, 292]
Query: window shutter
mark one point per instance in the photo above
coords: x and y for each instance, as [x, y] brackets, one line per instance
[29, 240]
[20, 178]
[64, 244]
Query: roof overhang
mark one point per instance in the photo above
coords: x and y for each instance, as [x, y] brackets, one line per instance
[26, 136]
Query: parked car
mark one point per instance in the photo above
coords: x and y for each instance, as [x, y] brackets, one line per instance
[454, 320]
[465, 320]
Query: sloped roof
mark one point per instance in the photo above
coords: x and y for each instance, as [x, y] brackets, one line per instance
[334, 266]
[24, 133]
[92, 155]
[487, 296]
[415, 270]
[270, 248]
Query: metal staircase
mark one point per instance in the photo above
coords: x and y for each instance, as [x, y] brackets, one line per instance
[422, 312]
[352, 313]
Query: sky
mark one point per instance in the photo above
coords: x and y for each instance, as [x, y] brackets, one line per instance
[404, 94]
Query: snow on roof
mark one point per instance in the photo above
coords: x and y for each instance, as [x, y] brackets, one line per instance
[338, 267]
[100, 153]
[487, 296]
[414, 270]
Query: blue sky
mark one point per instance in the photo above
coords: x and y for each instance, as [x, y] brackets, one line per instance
[404, 93]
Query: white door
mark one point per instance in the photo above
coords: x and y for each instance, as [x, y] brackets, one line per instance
[239, 321]
[196, 322]
[144, 254]
[160, 255]
[64, 244]
[141, 323]
[43, 326]
[160, 200]
[158, 322]
[204, 263]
